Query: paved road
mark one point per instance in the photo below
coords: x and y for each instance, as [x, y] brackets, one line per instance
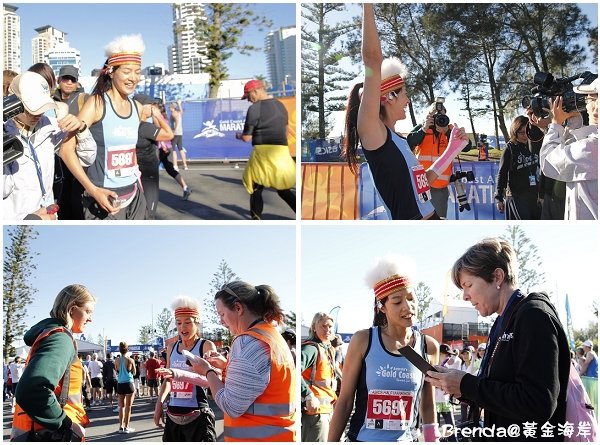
[218, 194]
[104, 423]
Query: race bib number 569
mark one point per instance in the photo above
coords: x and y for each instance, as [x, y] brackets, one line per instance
[181, 390]
[421, 183]
[389, 409]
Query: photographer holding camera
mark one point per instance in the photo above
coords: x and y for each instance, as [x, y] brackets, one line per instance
[570, 153]
[429, 141]
[28, 180]
[518, 181]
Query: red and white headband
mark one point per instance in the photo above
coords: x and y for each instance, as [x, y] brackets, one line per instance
[187, 312]
[389, 285]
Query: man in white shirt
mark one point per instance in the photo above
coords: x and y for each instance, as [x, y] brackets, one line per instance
[16, 371]
[95, 367]
[570, 154]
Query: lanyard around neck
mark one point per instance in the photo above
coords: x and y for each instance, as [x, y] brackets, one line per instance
[38, 167]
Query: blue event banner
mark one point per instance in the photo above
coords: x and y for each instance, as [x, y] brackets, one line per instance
[209, 129]
[480, 194]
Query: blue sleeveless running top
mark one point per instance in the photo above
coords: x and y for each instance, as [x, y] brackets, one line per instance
[592, 369]
[400, 179]
[388, 394]
[184, 394]
[115, 166]
[125, 376]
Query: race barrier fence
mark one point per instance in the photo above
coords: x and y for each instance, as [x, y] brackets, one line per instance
[329, 189]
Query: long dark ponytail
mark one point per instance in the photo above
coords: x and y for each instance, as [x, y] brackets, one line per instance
[350, 147]
[104, 81]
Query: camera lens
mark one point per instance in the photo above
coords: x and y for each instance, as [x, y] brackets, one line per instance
[526, 102]
[441, 120]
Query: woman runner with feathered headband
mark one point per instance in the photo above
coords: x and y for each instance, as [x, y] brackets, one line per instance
[111, 182]
[373, 110]
[189, 417]
[391, 400]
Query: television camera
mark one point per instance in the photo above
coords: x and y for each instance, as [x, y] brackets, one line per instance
[13, 148]
[547, 87]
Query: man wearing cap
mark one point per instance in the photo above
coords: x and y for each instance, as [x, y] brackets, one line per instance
[589, 367]
[571, 155]
[28, 180]
[270, 163]
[68, 87]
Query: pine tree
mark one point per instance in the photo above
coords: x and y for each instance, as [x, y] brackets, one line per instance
[549, 33]
[19, 268]
[321, 71]
[222, 32]
[164, 321]
[222, 276]
[145, 335]
[424, 299]
[290, 320]
[528, 259]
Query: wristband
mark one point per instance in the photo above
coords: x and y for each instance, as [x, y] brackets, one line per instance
[454, 148]
[81, 130]
[211, 370]
[431, 432]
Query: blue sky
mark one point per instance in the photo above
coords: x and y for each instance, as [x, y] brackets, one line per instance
[90, 27]
[136, 271]
[336, 258]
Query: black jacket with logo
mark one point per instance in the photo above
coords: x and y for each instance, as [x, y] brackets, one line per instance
[528, 375]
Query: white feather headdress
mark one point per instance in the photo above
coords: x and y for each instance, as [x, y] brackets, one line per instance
[125, 49]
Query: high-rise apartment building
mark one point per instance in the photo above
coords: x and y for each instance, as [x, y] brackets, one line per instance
[62, 54]
[12, 39]
[183, 54]
[280, 47]
[47, 39]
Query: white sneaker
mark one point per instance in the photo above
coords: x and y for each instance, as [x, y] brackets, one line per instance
[121, 431]
[128, 430]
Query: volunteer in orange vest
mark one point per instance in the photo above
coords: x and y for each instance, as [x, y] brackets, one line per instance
[318, 379]
[258, 395]
[49, 400]
[429, 141]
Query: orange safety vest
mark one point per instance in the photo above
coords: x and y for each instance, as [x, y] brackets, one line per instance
[429, 150]
[272, 416]
[321, 377]
[69, 396]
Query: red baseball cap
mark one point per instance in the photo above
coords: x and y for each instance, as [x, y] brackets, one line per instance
[251, 85]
